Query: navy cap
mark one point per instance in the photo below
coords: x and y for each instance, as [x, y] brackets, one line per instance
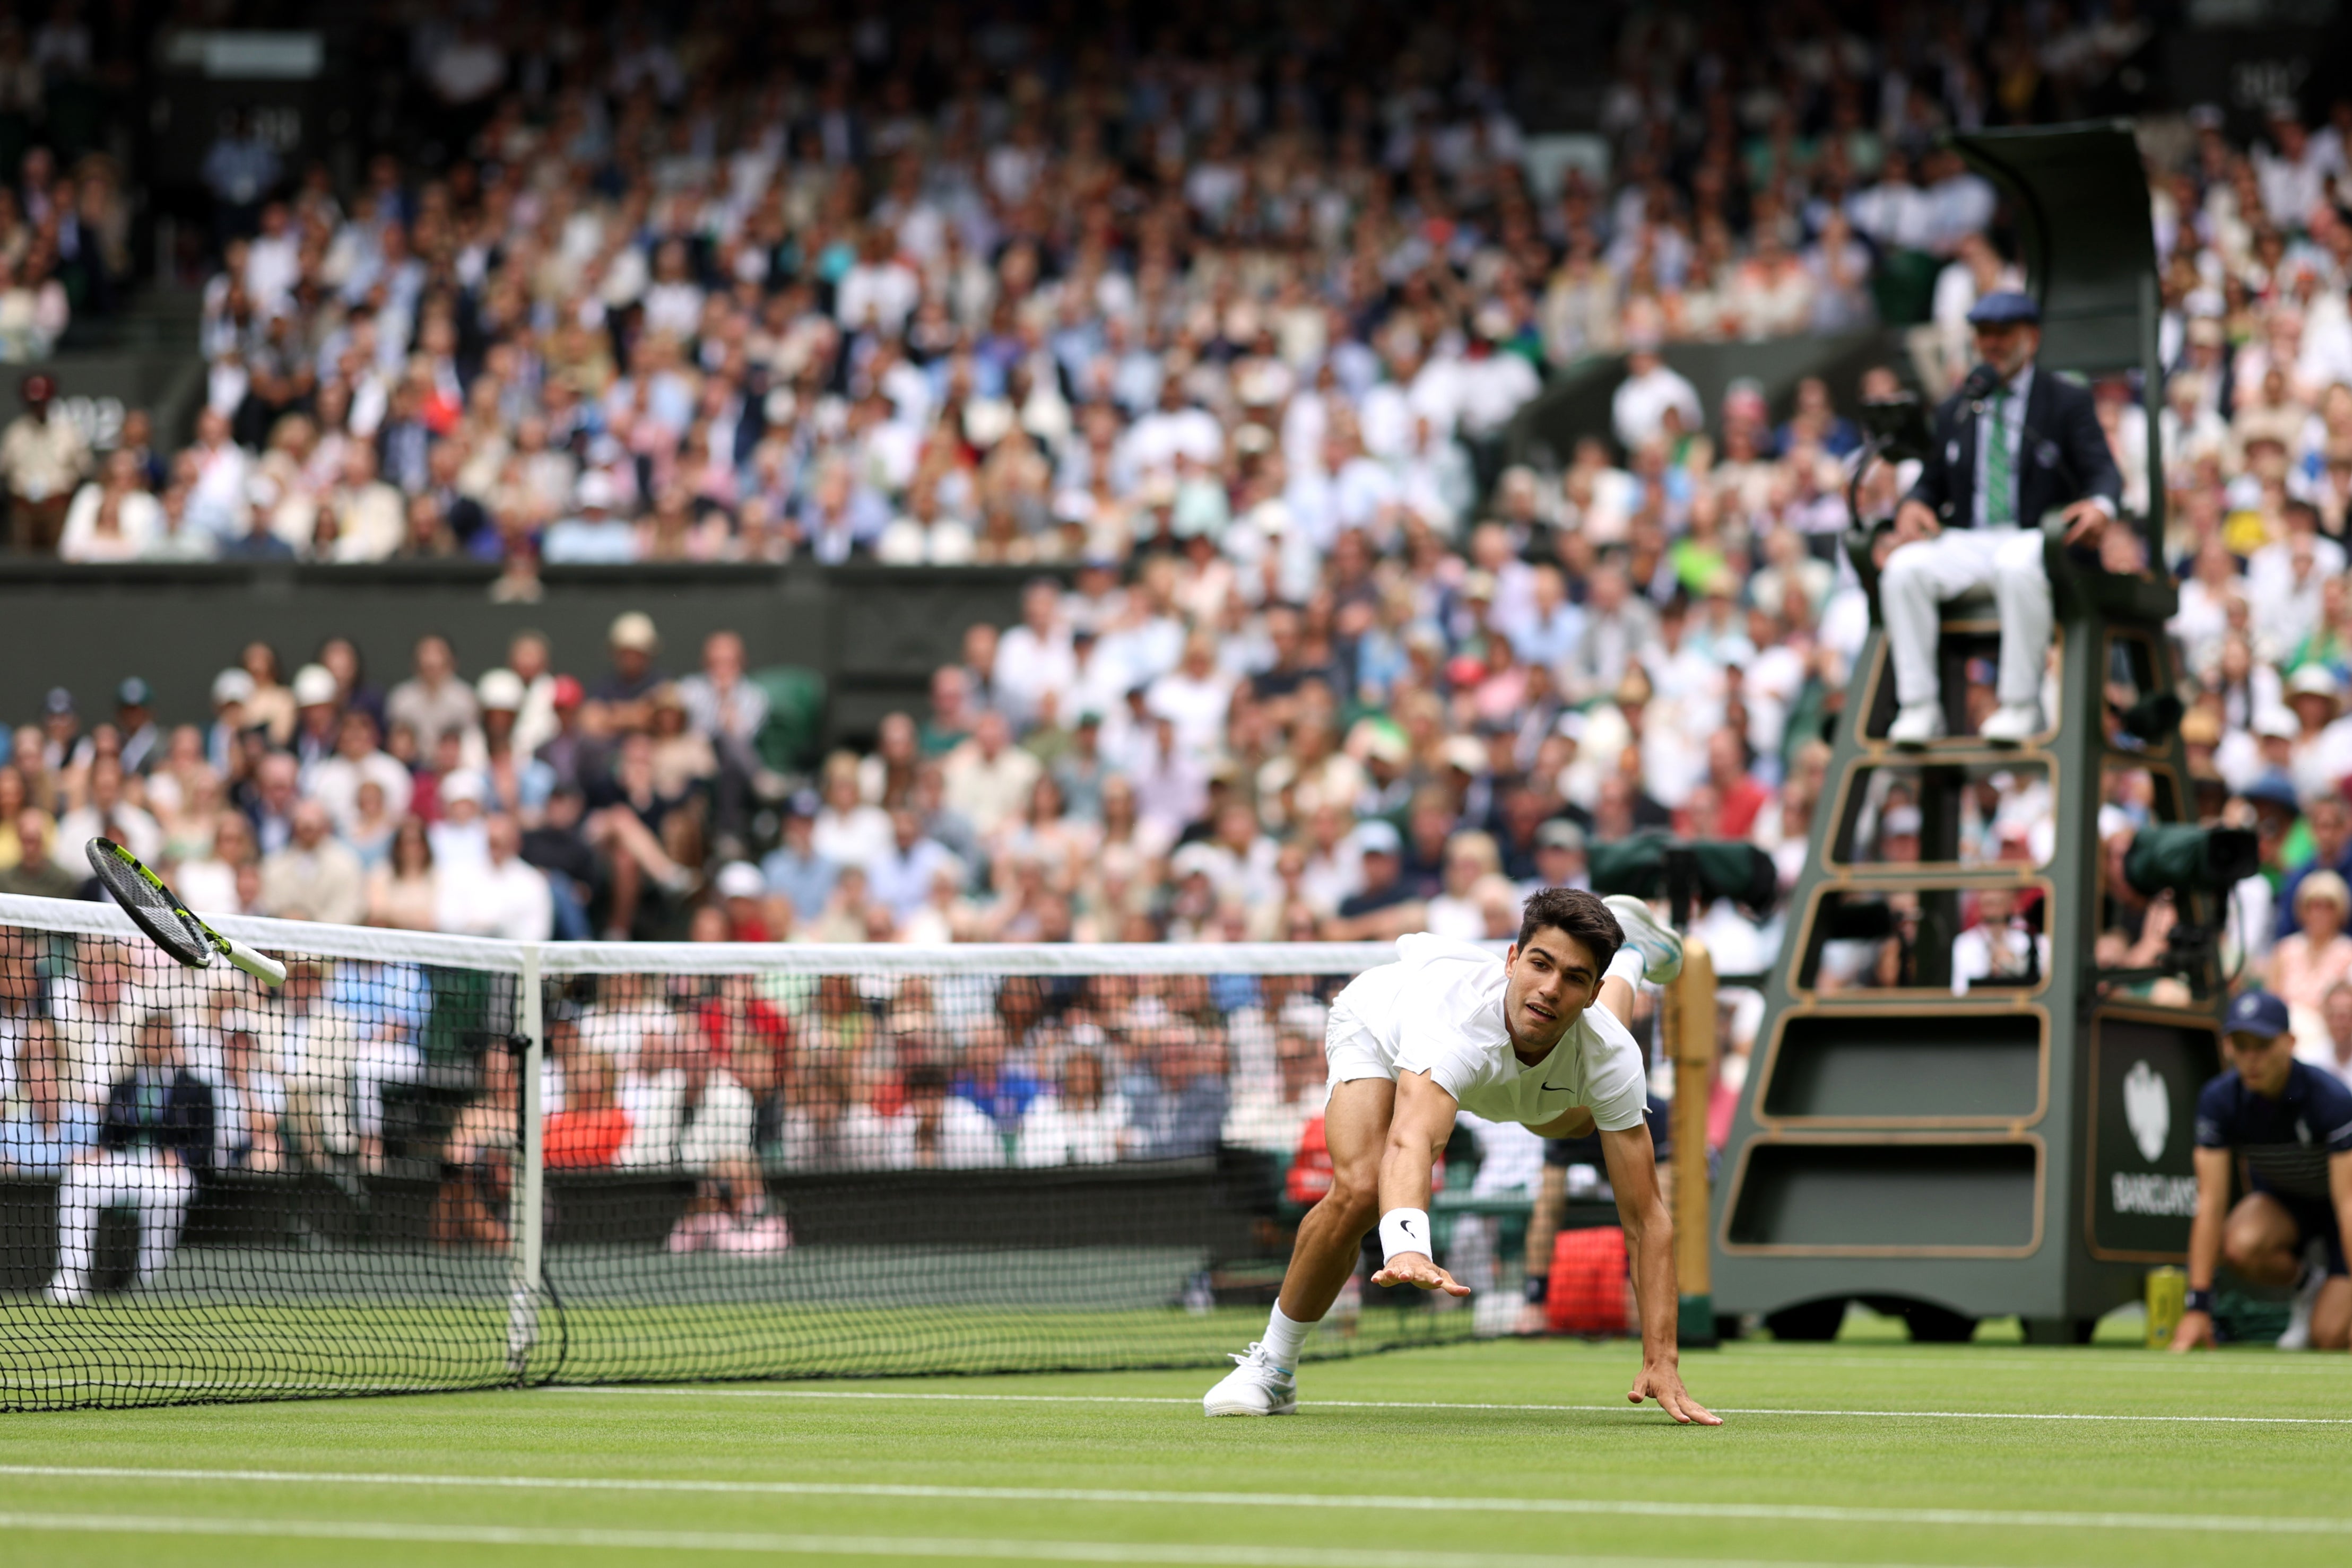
[2258, 1013]
[804, 803]
[60, 700]
[132, 693]
[2004, 308]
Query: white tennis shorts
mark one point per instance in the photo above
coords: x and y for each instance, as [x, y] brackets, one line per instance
[1351, 1051]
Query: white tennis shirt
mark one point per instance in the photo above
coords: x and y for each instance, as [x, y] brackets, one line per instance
[1439, 1009]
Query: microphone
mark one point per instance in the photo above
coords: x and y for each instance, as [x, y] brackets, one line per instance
[1981, 384]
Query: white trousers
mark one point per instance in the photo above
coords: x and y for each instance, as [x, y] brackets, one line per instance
[1922, 575]
[148, 1180]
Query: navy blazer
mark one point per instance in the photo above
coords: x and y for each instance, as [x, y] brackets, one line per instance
[2061, 455]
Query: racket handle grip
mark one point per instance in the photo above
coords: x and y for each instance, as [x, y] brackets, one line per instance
[260, 966]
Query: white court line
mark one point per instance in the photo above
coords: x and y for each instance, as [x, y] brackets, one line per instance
[852, 1546]
[1635, 1507]
[1627, 1409]
[2137, 1364]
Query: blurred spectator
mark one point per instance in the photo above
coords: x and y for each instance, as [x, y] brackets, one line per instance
[43, 457]
[592, 1128]
[931, 1128]
[36, 875]
[155, 1139]
[315, 876]
[500, 895]
[1077, 1122]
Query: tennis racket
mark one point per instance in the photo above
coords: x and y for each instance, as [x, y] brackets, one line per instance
[156, 910]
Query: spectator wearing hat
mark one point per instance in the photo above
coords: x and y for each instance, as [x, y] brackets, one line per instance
[794, 871]
[595, 531]
[318, 705]
[1560, 858]
[2291, 1125]
[1382, 905]
[2011, 446]
[571, 753]
[2305, 965]
[42, 458]
[231, 690]
[64, 748]
[500, 895]
[2322, 748]
[624, 699]
[134, 718]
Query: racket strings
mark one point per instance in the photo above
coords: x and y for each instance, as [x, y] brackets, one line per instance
[151, 908]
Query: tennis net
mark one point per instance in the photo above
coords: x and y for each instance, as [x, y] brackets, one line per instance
[434, 1163]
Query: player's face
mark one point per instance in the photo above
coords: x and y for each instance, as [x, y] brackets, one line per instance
[2262, 1064]
[1553, 979]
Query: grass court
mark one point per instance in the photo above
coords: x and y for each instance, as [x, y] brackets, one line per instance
[1460, 1457]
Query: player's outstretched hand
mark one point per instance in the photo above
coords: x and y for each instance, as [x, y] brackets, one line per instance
[1661, 1382]
[1412, 1269]
[2196, 1329]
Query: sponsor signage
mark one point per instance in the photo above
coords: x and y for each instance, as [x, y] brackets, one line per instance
[2145, 1079]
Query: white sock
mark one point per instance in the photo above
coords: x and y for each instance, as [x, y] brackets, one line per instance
[1285, 1337]
[1627, 966]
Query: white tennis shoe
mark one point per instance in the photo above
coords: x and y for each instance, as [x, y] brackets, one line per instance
[2306, 1296]
[1255, 1386]
[1661, 949]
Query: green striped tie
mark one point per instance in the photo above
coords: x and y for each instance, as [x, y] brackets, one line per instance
[2000, 488]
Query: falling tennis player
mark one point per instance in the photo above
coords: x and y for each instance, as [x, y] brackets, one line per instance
[1538, 1036]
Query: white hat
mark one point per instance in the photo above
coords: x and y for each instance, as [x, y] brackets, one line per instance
[462, 784]
[500, 691]
[740, 879]
[1196, 857]
[596, 491]
[2313, 680]
[314, 686]
[232, 686]
[634, 629]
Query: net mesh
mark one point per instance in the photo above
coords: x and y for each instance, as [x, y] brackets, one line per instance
[752, 1161]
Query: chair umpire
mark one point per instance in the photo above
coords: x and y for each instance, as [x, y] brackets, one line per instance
[2011, 445]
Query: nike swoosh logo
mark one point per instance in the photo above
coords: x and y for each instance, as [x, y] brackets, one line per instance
[1405, 1226]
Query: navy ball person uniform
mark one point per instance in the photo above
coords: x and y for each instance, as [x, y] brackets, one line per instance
[2285, 1144]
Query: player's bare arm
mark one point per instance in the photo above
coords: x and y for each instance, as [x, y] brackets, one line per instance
[2205, 1242]
[1650, 1235]
[1418, 1129]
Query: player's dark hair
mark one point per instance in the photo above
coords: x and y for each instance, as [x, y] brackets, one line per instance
[1580, 915]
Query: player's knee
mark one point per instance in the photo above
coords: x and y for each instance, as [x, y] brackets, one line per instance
[1903, 567]
[2242, 1245]
[1355, 1194]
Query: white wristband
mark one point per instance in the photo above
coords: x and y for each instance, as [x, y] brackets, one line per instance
[1626, 965]
[1405, 1230]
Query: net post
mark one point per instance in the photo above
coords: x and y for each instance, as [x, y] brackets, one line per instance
[1690, 1024]
[529, 1216]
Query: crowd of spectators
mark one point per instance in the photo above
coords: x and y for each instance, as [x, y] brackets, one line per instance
[1045, 300]
[1232, 341]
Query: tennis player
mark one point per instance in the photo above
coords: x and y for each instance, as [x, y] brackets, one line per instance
[1536, 1036]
